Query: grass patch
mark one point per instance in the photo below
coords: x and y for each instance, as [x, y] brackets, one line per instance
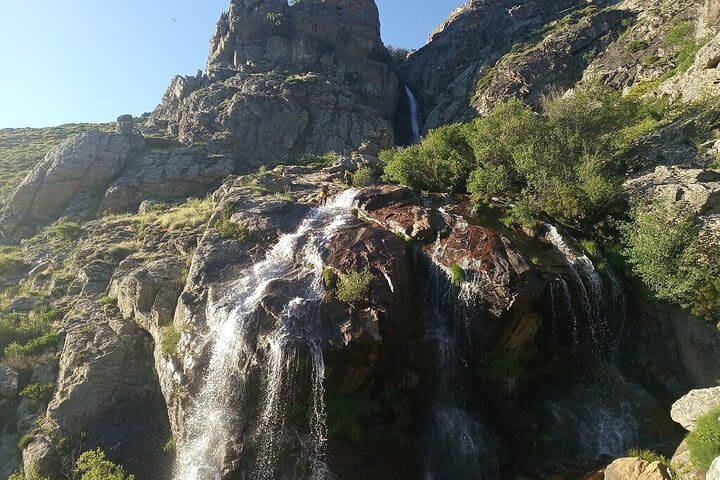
[123, 250]
[227, 228]
[704, 441]
[363, 177]
[32, 347]
[12, 261]
[169, 340]
[187, 216]
[457, 275]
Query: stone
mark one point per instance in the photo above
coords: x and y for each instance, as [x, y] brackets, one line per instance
[714, 472]
[697, 189]
[695, 404]
[125, 125]
[681, 463]
[40, 454]
[634, 468]
[8, 382]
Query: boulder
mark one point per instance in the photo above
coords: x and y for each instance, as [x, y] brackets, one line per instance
[40, 454]
[125, 125]
[695, 404]
[695, 188]
[634, 468]
[681, 463]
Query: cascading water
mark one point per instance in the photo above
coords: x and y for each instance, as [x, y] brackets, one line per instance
[237, 331]
[457, 445]
[414, 114]
[602, 309]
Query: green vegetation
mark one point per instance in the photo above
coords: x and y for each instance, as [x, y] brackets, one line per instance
[38, 392]
[682, 39]
[230, 229]
[564, 162]
[187, 216]
[23, 148]
[635, 46]
[27, 331]
[11, 260]
[704, 441]
[32, 347]
[354, 286]
[649, 456]
[663, 245]
[362, 177]
[457, 275]
[31, 473]
[329, 278]
[169, 340]
[93, 465]
[123, 250]
[507, 371]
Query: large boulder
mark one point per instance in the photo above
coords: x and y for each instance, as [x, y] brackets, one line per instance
[695, 404]
[714, 472]
[8, 382]
[634, 468]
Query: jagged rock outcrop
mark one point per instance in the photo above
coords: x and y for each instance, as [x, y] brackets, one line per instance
[555, 64]
[315, 71]
[697, 189]
[444, 73]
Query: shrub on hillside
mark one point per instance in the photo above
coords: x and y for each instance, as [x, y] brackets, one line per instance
[93, 465]
[38, 392]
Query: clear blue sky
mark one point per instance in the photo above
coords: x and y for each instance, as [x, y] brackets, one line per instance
[92, 60]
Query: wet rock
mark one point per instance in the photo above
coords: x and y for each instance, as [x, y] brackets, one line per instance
[399, 210]
[636, 469]
[695, 404]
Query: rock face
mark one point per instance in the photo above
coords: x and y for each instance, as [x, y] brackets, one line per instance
[445, 72]
[68, 179]
[636, 469]
[714, 472]
[695, 404]
[315, 71]
[696, 188]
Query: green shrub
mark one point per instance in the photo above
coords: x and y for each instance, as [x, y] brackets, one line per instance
[25, 440]
[64, 231]
[488, 182]
[354, 286]
[32, 347]
[38, 392]
[704, 441]
[169, 340]
[31, 474]
[170, 446]
[591, 248]
[635, 46]
[457, 275]
[93, 465]
[363, 177]
[18, 328]
[649, 456]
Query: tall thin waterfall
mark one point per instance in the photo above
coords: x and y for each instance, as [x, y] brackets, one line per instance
[414, 114]
[457, 445]
[238, 329]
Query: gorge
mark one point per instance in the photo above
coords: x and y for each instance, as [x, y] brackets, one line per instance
[256, 281]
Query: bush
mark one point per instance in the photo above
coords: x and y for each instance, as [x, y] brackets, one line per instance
[457, 275]
[363, 177]
[440, 163]
[704, 441]
[93, 465]
[649, 456]
[329, 279]
[30, 474]
[169, 340]
[18, 328]
[38, 392]
[488, 182]
[354, 286]
[32, 347]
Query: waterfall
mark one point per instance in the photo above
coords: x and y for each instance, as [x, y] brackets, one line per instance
[602, 308]
[238, 329]
[414, 114]
[457, 445]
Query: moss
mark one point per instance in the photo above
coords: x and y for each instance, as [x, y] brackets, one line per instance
[329, 278]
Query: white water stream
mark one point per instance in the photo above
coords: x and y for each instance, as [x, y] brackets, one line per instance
[232, 316]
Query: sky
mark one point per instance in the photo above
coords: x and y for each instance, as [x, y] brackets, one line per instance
[77, 61]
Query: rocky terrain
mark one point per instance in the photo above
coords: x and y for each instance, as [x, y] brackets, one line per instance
[201, 295]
